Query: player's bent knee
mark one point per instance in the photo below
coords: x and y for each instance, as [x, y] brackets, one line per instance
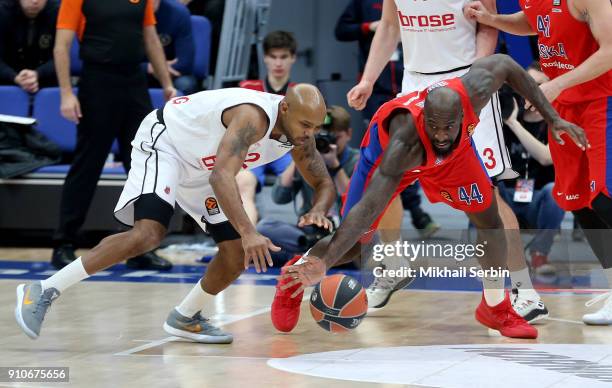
[146, 236]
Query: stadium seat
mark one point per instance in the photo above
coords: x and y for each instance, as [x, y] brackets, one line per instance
[76, 65]
[157, 97]
[201, 39]
[15, 101]
[51, 123]
[518, 46]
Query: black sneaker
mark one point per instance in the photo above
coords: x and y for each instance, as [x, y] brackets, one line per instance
[63, 255]
[149, 260]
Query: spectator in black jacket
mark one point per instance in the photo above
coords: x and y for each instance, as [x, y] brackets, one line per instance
[27, 32]
[358, 23]
[176, 37]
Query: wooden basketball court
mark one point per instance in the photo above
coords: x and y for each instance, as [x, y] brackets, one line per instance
[109, 333]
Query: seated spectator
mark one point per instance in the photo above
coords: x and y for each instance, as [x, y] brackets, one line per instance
[213, 10]
[279, 56]
[530, 196]
[174, 30]
[340, 158]
[27, 33]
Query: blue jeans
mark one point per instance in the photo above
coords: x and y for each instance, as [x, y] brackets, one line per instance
[188, 84]
[541, 213]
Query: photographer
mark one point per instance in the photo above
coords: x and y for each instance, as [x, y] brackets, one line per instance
[332, 142]
[530, 195]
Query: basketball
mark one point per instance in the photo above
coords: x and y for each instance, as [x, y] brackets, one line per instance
[338, 303]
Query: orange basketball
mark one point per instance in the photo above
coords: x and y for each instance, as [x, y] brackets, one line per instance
[338, 303]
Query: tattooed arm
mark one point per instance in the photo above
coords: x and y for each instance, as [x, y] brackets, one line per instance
[246, 124]
[311, 166]
[405, 152]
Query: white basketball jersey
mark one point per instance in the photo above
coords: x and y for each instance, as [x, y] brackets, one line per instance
[436, 36]
[195, 128]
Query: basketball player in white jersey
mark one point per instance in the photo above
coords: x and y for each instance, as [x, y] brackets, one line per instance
[189, 153]
[440, 42]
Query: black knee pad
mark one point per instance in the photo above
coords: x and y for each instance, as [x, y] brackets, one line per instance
[152, 207]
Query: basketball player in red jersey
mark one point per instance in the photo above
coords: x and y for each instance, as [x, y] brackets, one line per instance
[427, 135]
[575, 46]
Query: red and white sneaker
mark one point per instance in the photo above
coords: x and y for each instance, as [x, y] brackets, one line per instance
[285, 311]
[504, 319]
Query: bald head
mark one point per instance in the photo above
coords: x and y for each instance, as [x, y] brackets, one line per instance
[303, 112]
[443, 116]
[306, 96]
[442, 99]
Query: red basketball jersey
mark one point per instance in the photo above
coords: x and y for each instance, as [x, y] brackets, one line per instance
[414, 103]
[563, 44]
[459, 179]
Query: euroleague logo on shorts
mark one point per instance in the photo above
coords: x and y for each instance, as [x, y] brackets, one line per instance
[448, 19]
[212, 206]
[446, 195]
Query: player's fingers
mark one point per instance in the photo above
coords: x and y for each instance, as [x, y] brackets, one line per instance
[263, 258]
[268, 257]
[298, 291]
[558, 138]
[255, 259]
[247, 260]
[272, 247]
[291, 283]
[283, 277]
[578, 137]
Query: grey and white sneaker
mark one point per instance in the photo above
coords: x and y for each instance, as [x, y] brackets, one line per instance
[196, 328]
[603, 316]
[381, 289]
[531, 308]
[32, 305]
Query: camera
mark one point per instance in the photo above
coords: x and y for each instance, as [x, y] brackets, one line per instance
[312, 234]
[324, 139]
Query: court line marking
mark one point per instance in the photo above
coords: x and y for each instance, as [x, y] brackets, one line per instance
[173, 338]
[564, 320]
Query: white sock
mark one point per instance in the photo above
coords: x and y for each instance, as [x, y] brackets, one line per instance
[494, 291]
[66, 277]
[608, 273]
[194, 301]
[522, 282]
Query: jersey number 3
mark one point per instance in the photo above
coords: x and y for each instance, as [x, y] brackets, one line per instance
[474, 194]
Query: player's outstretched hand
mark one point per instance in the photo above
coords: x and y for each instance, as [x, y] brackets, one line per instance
[474, 10]
[315, 218]
[560, 126]
[257, 249]
[359, 95]
[308, 273]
